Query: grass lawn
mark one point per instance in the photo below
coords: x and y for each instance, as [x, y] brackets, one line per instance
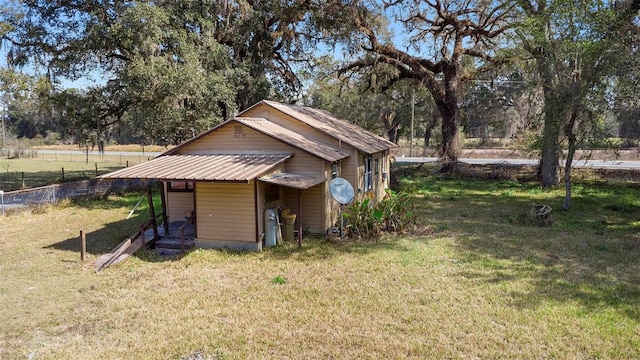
[27, 173]
[479, 280]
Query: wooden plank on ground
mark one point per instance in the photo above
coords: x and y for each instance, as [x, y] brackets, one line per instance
[135, 246]
[108, 258]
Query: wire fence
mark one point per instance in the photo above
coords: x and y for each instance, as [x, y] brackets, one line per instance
[90, 189]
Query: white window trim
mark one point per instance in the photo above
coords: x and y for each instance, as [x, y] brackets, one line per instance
[368, 173]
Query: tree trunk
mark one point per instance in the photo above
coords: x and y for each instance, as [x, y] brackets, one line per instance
[429, 126]
[447, 103]
[393, 135]
[569, 132]
[391, 125]
[450, 137]
[550, 160]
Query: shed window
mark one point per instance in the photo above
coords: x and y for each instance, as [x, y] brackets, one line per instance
[368, 183]
[180, 186]
[237, 130]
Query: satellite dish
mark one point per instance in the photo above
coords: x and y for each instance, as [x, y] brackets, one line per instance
[341, 190]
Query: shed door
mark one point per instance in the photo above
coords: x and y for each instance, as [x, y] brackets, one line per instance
[225, 212]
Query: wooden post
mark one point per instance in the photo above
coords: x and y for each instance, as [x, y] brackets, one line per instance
[62, 174]
[152, 213]
[83, 245]
[127, 163]
[165, 219]
[96, 169]
[299, 219]
[23, 180]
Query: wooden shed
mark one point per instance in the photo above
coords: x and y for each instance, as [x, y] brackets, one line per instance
[270, 156]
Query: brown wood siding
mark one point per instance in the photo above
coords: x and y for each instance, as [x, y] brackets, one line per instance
[289, 122]
[378, 185]
[313, 219]
[293, 124]
[328, 204]
[225, 212]
[178, 203]
[349, 169]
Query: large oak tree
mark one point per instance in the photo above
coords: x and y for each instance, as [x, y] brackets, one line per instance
[182, 65]
[439, 37]
[574, 46]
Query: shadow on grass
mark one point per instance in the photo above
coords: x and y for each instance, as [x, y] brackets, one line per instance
[106, 238]
[102, 240]
[589, 255]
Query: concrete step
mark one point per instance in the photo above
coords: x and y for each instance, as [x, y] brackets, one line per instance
[174, 243]
[167, 252]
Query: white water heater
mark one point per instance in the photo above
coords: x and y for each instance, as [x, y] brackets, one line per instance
[270, 227]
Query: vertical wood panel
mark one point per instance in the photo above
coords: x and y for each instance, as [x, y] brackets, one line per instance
[178, 203]
[226, 212]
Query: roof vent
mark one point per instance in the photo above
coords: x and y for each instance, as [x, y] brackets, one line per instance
[237, 131]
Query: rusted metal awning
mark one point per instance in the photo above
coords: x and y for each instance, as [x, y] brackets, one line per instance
[295, 181]
[217, 167]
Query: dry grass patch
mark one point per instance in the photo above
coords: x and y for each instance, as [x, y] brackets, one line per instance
[475, 284]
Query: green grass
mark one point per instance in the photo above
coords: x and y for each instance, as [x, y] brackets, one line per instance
[477, 280]
[27, 173]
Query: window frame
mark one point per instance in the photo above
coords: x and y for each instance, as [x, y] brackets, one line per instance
[335, 170]
[368, 173]
[187, 186]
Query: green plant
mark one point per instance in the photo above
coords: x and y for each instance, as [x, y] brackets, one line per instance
[392, 213]
[363, 220]
[278, 280]
[396, 210]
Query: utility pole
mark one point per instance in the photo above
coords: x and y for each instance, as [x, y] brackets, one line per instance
[4, 138]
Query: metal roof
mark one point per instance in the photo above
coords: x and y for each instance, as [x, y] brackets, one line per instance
[343, 130]
[217, 167]
[293, 180]
[312, 146]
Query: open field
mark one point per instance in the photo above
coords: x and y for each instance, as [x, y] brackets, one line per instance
[108, 148]
[27, 173]
[478, 280]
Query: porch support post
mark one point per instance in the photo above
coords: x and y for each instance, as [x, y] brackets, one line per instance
[195, 215]
[163, 199]
[255, 205]
[299, 218]
[152, 213]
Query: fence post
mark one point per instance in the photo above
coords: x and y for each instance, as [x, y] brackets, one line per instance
[83, 245]
[23, 186]
[96, 169]
[62, 174]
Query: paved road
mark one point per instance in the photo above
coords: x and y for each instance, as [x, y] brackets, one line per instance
[595, 164]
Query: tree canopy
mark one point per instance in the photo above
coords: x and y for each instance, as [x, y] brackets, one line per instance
[184, 65]
[561, 72]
